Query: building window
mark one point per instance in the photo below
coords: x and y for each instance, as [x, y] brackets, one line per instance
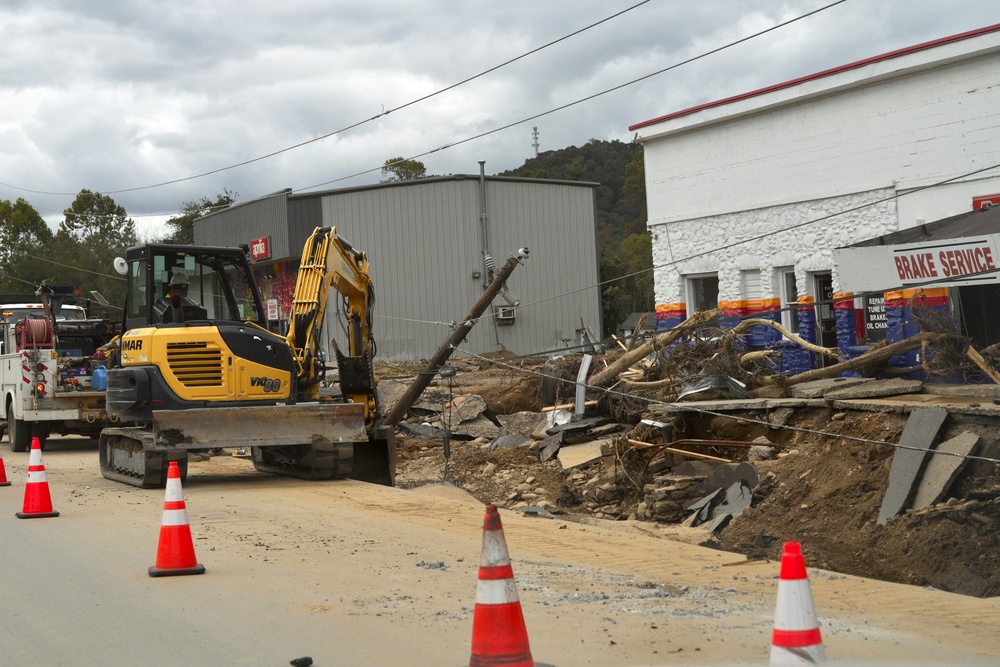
[702, 293]
[789, 299]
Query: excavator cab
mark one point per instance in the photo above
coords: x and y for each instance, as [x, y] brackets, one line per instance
[220, 286]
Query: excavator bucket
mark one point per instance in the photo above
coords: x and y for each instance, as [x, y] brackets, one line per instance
[375, 461]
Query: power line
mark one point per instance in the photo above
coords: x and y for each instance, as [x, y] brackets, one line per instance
[584, 99]
[70, 266]
[358, 123]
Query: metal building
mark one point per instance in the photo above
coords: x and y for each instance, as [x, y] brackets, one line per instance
[427, 241]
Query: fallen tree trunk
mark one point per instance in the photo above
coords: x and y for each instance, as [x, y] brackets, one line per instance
[609, 374]
[877, 356]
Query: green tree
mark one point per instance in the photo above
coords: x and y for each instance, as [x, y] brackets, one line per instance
[400, 169]
[634, 203]
[182, 226]
[93, 232]
[627, 279]
[25, 242]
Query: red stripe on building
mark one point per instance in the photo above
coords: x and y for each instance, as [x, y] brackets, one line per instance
[819, 75]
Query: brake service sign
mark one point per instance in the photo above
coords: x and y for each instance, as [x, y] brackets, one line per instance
[260, 248]
[958, 261]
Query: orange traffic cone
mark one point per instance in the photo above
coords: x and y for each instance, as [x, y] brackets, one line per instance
[3, 474]
[498, 633]
[37, 501]
[175, 552]
[796, 639]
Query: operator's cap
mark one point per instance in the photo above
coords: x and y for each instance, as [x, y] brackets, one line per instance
[179, 278]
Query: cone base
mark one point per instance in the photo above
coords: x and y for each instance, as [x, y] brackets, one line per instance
[536, 664]
[7, 483]
[157, 572]
[35, 515]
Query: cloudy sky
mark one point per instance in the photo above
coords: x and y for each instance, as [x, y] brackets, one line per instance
[160, 103]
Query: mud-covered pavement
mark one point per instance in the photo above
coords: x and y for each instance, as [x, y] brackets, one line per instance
[354, 574]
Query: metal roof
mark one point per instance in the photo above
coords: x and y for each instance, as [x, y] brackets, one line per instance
[438, 179]
[819, 75]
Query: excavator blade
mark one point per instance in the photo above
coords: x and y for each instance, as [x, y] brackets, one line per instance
[259, 426]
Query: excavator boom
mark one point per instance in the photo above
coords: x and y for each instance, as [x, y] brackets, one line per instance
[330, 261]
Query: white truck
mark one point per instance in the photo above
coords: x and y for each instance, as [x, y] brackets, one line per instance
[47, 371]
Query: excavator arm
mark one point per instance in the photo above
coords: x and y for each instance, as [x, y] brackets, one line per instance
[329, 261]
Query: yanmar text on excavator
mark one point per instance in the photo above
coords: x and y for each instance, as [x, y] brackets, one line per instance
[198, 369]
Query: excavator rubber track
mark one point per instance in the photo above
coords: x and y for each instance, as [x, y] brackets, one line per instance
[126, 456]
[319, 460]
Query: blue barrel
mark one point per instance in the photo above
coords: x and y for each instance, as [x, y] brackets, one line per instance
[99, 380]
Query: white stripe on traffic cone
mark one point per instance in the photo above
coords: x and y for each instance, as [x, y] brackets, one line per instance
[796, 638]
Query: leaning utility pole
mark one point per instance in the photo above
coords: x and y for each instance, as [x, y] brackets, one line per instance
[457, 336]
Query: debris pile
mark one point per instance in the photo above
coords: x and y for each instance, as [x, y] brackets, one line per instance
[745, 473]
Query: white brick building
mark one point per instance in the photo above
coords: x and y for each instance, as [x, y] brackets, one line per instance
[748, 196]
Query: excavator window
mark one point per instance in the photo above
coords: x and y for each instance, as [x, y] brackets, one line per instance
[220, 285]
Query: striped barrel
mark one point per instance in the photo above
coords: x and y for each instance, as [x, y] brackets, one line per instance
[796, 639]
[499, 636]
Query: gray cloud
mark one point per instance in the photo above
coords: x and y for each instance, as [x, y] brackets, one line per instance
[124, 94]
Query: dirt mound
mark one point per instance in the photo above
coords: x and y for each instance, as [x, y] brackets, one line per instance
[827, 495]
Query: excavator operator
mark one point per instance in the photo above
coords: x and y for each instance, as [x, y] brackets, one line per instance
[176, 306]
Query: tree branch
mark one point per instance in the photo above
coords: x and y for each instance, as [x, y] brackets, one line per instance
[608, 375]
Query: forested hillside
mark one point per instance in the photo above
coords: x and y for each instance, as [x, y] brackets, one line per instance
[623, 242]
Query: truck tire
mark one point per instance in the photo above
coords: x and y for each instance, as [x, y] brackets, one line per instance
[19, 432]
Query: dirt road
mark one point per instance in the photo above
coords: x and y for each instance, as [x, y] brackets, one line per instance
[354, 574]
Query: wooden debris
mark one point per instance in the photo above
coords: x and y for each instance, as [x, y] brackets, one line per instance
[978, 360]
[566, 406]
[680, 452]
[607, 376]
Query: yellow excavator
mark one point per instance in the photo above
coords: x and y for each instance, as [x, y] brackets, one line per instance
[196, 367]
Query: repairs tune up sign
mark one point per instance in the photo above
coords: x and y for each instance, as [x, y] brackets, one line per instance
[960, 261]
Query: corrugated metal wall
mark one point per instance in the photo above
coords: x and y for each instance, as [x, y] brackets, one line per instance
[424, 242]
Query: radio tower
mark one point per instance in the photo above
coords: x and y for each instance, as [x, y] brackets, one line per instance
[534, 135]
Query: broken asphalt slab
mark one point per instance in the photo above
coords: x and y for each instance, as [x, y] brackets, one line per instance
[816, 388]
[919, 436]
[522, 423]
[875, 389]
[548, 447]
[948, 460]
[575, 427]
[507, 441]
